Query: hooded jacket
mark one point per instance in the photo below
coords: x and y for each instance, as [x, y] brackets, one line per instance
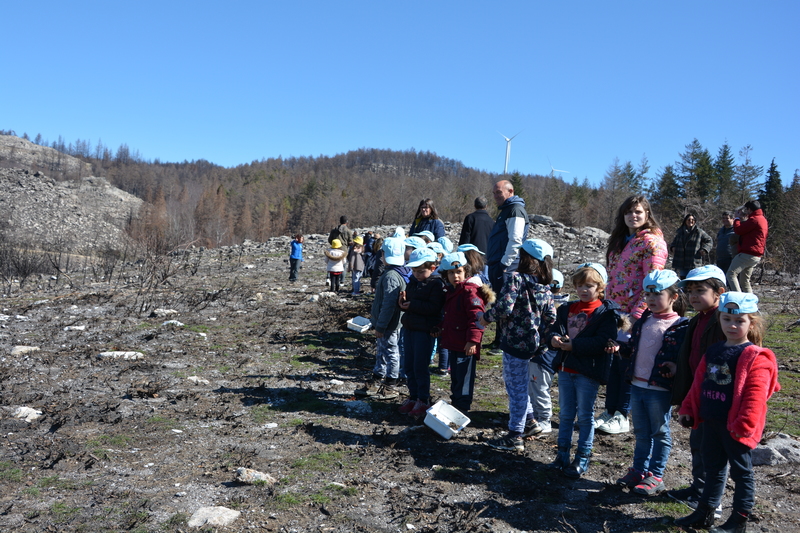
[336, 258]
[667, 353]
[687, 247]
[463, 307]
[752, 233]
[425, 303]
[509, 231]
[385, 311]
[645, 252]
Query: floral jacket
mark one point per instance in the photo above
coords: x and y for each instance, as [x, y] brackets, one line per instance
[645, 252]
[523, 311]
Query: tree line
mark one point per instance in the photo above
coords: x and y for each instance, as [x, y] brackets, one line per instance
[206, 204]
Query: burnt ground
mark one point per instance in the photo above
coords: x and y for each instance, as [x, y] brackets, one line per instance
[135, 445]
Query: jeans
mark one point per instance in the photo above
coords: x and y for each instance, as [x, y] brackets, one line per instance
[539, 381]
[719, 450]
[462, 380]
[418, 346]
[739, 272]
[515, 375]
[650, 412]
[357, 281]
[387, 356]
[576, 396]
[294, 268]
[618, 390]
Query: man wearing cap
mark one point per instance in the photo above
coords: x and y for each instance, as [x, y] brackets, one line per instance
[509, 231]
[477, 226]
[751, 227]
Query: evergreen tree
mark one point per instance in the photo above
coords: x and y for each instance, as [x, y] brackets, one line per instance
[696, 176]
[724, 171]
[665, 194]
[772, 195]
[746, 177]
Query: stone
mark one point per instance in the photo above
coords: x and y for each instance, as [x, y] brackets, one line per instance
[213, 516]
[198, 380]
[248, 475]
[121, 355]
[27, 413]
[782, 449]
[163, 313]
[22, 350]
[172, 323]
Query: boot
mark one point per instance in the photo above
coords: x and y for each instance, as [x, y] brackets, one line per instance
[736, 523]
[701, 518]
[562, 459]
[579, 465]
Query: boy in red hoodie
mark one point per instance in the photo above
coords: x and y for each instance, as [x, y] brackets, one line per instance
[751, 227]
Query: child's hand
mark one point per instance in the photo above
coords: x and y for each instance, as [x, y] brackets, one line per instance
[562, 343]
[471, 348]
[612, 346]
[483, 322]
[686, 421]
[435, 332]
[667, 369]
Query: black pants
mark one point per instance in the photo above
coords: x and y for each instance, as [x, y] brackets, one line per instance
[462, 380]
[336, 278]
[294, 268]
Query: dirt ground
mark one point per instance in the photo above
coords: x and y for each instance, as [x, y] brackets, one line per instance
[136, 445]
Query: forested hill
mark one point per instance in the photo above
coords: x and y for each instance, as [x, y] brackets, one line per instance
[203, 203]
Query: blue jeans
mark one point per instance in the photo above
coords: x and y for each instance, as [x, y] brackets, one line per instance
[356, 281]
[387, 356]
[650, 412]
[418, 346]
[576, 396]
[719, 450]
[515, 375]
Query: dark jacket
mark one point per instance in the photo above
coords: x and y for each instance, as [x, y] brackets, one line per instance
[724, 245]
[343, 233]
[687, 248]
[588, 355]
[668, 353]
[385, 311]
[512, 215]
[434, 225]
[752, 233]
[684, 374]
[476, 229]
[425, 303]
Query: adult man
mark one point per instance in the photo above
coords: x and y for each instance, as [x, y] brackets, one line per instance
[477, 226]
[341, 232]
[509, 231]
[751, 227]
[724, 255]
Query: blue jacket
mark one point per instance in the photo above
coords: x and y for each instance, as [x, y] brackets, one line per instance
[670, 348]
[297, 251]
[434, 225]
[509, 232]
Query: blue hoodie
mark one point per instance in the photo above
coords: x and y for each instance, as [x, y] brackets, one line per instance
[509, 232]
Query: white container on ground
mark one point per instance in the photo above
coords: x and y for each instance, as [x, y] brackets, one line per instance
[445, 419]
[359, 324]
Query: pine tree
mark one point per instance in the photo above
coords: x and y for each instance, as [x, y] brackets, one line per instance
[746, 176]
[696, 176]
[772, 194]
[724, 171]
[665, 194]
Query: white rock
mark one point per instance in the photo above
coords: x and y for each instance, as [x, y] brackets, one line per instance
[778, 450]
[75, 328]
[173, 323]
[336, 382]
[314, 298]
[248, 475]
[249, 267]
[28, 413]
[163, 313]
[22, 350]
[122, 355]
[271, 425]
[213, 516]
[198, 380]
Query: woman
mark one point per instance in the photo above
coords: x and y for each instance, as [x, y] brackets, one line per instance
[689, 247]
[427, 219]
[636, 247]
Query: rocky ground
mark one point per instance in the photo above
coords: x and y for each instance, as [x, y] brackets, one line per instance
[229, 366]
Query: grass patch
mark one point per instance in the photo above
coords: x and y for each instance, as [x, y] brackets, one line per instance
[100, 446]
[178, 520]
[781, 415]
[197, 328]
[320, 462]
[161, 422]
[62, 512]
[8, 472]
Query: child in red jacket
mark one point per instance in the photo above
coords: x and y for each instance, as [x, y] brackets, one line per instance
[461, 331]
[729, 395]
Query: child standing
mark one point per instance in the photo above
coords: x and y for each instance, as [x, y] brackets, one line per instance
[295, 256]
[523, 310]
[355, 263]
[729, 395]
[422, 303]
[335, 263]
[703, 286]
[581, 333]
[461, 332]
[386, 321]
[656, 339]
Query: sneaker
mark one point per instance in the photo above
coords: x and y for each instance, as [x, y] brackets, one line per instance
[616, 425]
[407, 406]
[508, 442]
[650, 486]
[386, 392]
[370, 388]
[690, 498]
[531, 428]
[546, 426]
[631, 478]
[602, 419]
[440, 371]
[419, 409]
[494, 351]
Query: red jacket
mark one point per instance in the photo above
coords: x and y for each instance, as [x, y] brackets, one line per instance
[752, 233]
[756, 381]
[460, 324]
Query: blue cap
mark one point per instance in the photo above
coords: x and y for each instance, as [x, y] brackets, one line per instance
[597, 267]
[425, 233]
[446, 243]
[415, 242]
[558, 279]
[399, 232]
[420, 256]
[658, 280]
[703, 273]
[452, 261]
[468, 247]
[737, 303]
[394, 251]
[436, 247]
[537, 248]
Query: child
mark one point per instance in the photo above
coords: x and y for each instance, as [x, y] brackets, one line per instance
[476, 263]
[386, 321]
[355, 263]
[461, 332]
[376, 264]
[729, 395]
[556, 287]
[422, 304]
[446, 243]
[703, 285]
[335, 266]
[295, 257]
[523, 311]
[581, 333]
[656, 339]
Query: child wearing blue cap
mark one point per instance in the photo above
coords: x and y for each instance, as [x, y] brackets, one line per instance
[729, 395]
[523, 312]
[656, 339]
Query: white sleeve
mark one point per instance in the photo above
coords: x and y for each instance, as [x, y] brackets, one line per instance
[516, 230]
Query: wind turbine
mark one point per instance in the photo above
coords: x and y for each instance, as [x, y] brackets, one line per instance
[508, 149]
[554, 170]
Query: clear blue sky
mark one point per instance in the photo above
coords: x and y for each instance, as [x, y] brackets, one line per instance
[584, 82]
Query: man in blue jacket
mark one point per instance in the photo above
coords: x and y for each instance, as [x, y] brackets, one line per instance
[509, 232]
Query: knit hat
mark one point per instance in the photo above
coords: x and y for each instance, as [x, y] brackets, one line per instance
[537, 248]
[452, 261]
[394, 251]
[737, 303]
[421, 256]
[336, 243]
[658, 280]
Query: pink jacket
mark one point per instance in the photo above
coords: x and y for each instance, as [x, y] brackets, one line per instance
[756, 381]
[646, 251]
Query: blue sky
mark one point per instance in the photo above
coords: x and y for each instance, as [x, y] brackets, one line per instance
[584, 82]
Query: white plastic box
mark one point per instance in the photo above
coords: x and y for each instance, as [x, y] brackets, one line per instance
[359, 324]
[445, 419]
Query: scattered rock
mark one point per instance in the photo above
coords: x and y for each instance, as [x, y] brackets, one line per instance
[75, 328]
[121, 355]
[213, 516]
[248, 475]
[198, 380]
[27, 413]
[22, 350]
[163, 313]
[172, 323]
[782, 449]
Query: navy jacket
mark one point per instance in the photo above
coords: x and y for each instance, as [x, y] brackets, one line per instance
[511, 209]
[670, 348]
[426, 303]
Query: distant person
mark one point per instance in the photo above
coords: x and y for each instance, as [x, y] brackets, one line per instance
[690, 246]
[427, 219]
[335, 263]
[341, 232]
[751, 227]
[477, 226]
[724, 255]
[355, 263]
[295, 256]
